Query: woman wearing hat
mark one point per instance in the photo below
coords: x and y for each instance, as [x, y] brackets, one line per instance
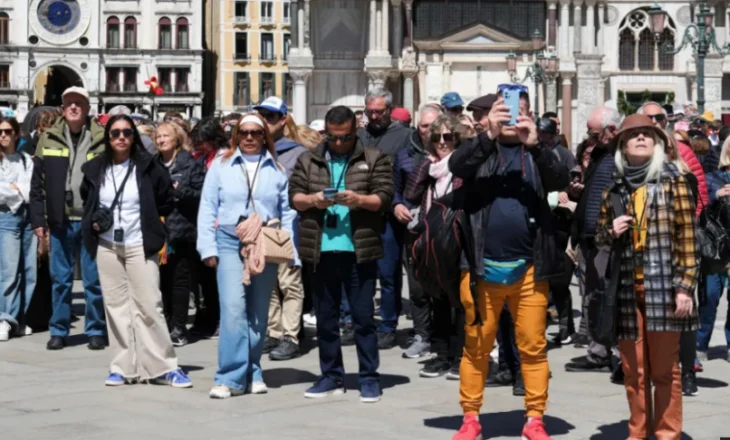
[658, 275]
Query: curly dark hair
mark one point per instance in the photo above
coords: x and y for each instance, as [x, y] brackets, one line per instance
[209, 131]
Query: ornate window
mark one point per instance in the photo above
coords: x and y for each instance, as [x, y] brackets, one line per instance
[4, 28]
[112, 33]
[165, 33]
[266, 86]
[638, 49]
[130, 33]
[183, 33]
[240, 89]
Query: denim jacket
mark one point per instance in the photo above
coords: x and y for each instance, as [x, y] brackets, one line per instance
[225, 197]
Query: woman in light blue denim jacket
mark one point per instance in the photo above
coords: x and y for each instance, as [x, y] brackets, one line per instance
[18, 243]
[249, 163]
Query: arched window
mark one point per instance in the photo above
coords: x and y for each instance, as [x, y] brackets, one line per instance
[637, 47]
[4, 28]
[165, 33]
[112, 33]
[130, 33]
[183, 33]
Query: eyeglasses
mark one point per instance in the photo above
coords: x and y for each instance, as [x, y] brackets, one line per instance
[127, 133]
[659, 117]
[270, 116]
[6, 131]
[378, 112]
[447, 137]
[342, 138]
[253, 133]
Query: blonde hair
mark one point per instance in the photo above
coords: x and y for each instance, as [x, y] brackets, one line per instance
[725, 154]
[291, 130]
[309, 137]
[181, 138]
[672, 152]
[657, 159]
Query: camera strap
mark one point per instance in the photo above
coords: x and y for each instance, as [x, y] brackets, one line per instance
[117, 197]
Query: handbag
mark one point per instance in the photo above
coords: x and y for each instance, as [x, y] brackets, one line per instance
[603, 302]
[713, 240]
[103, 216]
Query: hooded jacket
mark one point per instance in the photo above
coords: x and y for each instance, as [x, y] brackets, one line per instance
[389, 141]
[287, 153]
[689, 157]
[406, 162]
[189, 175]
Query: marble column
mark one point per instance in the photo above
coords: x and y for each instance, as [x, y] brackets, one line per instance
[300, 29]
[385, 36]
[397, 45]
[564, 30]
[567, 111]
[408, 91]
[589, 34]
[306, 24]
[372, 47]
[379, 30]
[713, 84]
[601, 33]
[409, 20]
[423, 98]
[551, 95]
[447, 77]
[294, 27]
[299, 95]
[588, 69]
[552, 22]
[577, 25]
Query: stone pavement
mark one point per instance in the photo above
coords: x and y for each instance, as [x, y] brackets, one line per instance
[61, 395]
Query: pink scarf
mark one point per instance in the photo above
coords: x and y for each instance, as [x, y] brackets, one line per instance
[440, 172]
[249, 232]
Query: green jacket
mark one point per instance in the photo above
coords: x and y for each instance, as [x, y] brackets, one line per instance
[57, 171]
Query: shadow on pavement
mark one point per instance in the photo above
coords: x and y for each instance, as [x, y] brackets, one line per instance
[620, 430]
[386, 381]
[706, 382]
[279, 377]
[189, 368]
[502, 424]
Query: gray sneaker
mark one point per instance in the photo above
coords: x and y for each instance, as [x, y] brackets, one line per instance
[418, 348]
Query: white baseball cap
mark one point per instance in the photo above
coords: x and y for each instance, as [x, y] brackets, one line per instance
[317, 124]
[76, 91]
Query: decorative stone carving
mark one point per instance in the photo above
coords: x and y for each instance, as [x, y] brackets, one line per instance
[684, 15]
[713, 95]
[589, 86]
[408, 59]
[378, 76]
[300, 75]
[611, 15]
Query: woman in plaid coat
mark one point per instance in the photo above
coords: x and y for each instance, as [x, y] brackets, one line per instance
[659, 270]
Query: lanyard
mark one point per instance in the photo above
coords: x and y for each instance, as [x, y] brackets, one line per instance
[251, 183]
[332, 171]
[116, 191]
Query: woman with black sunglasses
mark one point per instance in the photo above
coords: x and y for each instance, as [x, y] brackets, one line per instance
[125, 192]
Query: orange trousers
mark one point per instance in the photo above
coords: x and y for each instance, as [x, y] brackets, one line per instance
[527, 300]
[652, 358]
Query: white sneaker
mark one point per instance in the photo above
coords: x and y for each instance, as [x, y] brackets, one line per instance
[310, 320]
[257, 388]
[495, 353]
[24, 331]
[4, 330]
[223, 392]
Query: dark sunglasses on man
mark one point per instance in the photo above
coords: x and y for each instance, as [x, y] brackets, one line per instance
[270, 117]
[448, 137]
[127, 133]
[342, 138]
[659, 117]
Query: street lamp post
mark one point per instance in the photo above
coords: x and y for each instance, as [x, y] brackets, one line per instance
[700, 35]
[541, 71]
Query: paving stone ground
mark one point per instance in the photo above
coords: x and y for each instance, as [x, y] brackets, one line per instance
[61, 395]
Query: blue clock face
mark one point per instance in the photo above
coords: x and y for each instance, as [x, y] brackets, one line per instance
[59, 16]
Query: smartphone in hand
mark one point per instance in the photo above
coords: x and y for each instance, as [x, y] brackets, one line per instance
[511, 95]
[329, 193]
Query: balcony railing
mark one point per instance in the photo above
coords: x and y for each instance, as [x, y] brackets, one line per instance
[266, 21]
[182, 88]
[112, 87]
[242, 57]
[286, 21]
[267, 59]
[241, 20]
[130, 88]
[4, 84]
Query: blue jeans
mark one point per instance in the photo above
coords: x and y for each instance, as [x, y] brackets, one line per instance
[18, 265]
[390, 275]
[509, 355]
[335, 273]
[716, 283]
[244, 316]
[65, 242]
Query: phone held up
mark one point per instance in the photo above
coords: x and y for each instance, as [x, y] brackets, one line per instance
[511, 95]
[329, 193]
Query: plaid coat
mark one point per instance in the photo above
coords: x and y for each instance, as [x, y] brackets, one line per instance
[671, 254]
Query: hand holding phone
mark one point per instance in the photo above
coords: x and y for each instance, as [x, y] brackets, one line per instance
[329, 193]
[511, 97]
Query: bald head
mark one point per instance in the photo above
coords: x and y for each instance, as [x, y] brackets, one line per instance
[426, 116]
[603, 123]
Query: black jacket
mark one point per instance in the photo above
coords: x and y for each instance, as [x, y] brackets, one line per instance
[156, 200]
[597, 178]
[475, 161]
[189, 175]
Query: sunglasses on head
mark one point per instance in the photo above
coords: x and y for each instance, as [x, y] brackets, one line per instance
[448, 137]
[6, 131]
[342, 138]
[253, 133]
[127, 133]
[659, 117]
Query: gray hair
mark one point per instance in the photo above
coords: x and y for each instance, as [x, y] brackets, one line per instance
[380, 92]
[610, 117]
[428, 108]
[657, 159]
[640, 111]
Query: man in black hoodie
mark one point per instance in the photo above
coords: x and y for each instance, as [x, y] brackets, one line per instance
[389, 138]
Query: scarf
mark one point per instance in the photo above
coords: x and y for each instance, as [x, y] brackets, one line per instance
[439, 171]
[635, 177]
[252, 251]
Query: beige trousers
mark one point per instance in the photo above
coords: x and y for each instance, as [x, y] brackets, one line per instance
[138, 336]
[285, 306]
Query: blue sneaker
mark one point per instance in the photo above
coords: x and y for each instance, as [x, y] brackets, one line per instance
[176, 379]
[370, 392]
[114, 380]
[323, 387]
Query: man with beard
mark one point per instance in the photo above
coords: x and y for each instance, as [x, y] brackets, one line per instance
[388, 137]
[602, 125]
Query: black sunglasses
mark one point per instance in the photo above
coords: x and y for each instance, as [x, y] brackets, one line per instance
[448, 137]
[253, 133]
[7, 131]
[342, 138]
[659, 117]
[270, 116]
[127, 133]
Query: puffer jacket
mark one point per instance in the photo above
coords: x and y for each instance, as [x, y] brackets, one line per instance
[368, 172]
[189, 175]
[406, 162]
[689, 157]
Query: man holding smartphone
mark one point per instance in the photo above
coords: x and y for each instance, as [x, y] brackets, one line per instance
[341, 189]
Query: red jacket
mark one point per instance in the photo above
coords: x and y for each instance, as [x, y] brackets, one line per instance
[690, 158]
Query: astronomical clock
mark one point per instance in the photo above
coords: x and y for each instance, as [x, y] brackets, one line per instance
[60, 22]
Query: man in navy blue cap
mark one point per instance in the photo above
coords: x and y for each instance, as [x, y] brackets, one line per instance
[453, 103]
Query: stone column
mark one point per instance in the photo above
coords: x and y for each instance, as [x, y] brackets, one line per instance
[409, 20]
[423, 98]
[379, 30]
[408, 91]
[589, 36]
[551, 92]
[300, 29]
[397, 28]
[567, 113]
[564, 37]
[446, 84]
[385, 37]
[306, 24]
[713, 84]
[552, 22]
[601, 33]
[588, 69]
[577, 26]
[372, 46]
[299, 95]
[294, 27]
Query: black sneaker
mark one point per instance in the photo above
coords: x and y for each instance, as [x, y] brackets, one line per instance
[585, 364]
[562, 338]
[501, 378]
[518, 388]
[435, 367]
[56, 343]
[581, 341]
[270, 344]
[689, 384]
[386, 341]
[453, 373]
[347, 337]
[287, 349]
[96, 343]
[179, 337]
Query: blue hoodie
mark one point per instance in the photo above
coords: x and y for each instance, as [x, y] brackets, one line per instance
[287, 152]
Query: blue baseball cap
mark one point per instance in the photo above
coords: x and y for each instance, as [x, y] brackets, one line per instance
[451, 100]
[273, 104]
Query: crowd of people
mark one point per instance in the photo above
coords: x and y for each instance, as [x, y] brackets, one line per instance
[269, 226]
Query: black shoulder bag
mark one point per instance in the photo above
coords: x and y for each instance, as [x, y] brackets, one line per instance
[103, 216]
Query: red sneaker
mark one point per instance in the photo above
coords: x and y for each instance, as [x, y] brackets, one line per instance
[535, 430]
[470, 430]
